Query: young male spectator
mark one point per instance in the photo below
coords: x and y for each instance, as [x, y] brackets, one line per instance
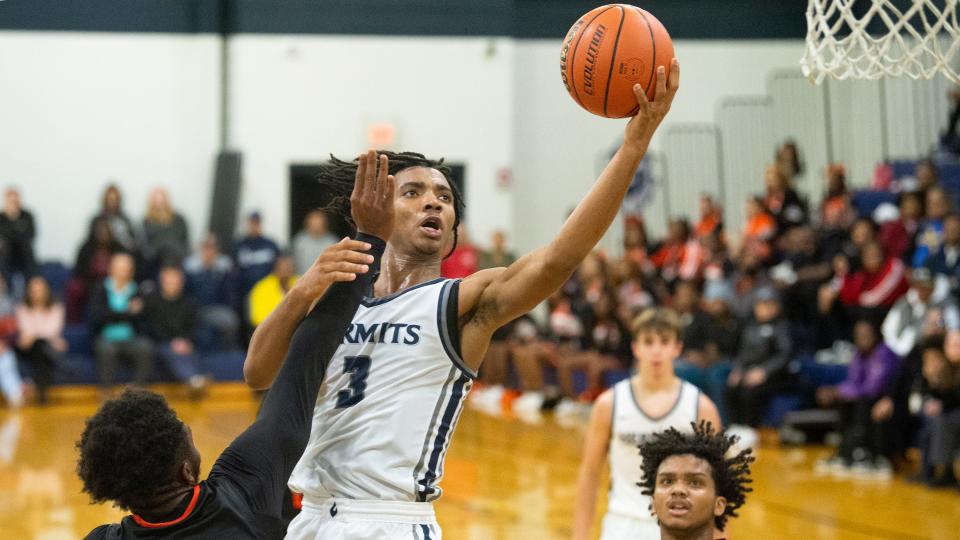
[918, 314]
[720, 345]
[17, 231]
[865, 444]
[116, 312]
[269, 291]
[313, 238]
[254, 254]
[761, 363]
[170, 320]
[211, 283]
[799, 275]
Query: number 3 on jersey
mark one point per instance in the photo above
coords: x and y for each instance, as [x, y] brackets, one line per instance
[359, 368]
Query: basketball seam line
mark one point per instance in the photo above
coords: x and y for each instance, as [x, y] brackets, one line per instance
[653, 43]
[576, 95]
[613, 59]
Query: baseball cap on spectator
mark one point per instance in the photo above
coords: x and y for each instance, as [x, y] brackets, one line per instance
[717, 289]
[766, 294]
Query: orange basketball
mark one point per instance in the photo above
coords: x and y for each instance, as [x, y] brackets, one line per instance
[607, 51]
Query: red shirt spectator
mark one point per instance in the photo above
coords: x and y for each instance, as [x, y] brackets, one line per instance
[880, 283]
[464, 260]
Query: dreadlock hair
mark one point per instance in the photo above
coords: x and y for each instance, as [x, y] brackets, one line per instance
[131, 447]
[730, 475]
[338, 176]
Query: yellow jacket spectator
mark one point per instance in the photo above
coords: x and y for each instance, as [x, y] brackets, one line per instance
[269, 291]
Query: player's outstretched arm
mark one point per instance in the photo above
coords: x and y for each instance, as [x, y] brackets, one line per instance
[591, 467]
[495, 297]
[271, 339]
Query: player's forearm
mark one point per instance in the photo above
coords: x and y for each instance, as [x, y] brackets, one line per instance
[585, 503]
[271, 339]
[289, 404]
[593, 216]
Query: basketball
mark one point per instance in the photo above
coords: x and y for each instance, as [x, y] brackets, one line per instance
[607, 51]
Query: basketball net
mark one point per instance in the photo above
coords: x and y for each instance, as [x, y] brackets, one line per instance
[869, 39]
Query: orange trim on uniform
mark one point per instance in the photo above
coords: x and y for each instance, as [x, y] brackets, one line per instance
[186, 513]
[297, 500]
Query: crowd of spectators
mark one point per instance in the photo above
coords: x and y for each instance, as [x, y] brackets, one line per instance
[146, 298]
[818, 281]
[798, 280]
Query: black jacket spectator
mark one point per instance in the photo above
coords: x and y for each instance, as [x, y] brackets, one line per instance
[254, 255]
[766, 345]
[166, 319]
[17, 231]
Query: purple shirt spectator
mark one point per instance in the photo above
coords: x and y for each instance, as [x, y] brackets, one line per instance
[870, 375]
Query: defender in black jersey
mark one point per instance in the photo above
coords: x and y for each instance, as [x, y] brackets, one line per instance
[136, 453]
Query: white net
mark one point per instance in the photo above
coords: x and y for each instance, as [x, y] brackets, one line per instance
[869, 39]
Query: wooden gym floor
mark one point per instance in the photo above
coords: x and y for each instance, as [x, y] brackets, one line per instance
[505, 479]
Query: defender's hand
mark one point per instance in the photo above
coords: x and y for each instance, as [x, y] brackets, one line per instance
[339, 262]
[642, 126]
[371, 203]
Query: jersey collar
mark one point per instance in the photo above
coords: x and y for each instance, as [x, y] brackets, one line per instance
[186, 513]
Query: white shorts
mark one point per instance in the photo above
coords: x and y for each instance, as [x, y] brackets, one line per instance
[337, 519]
[620, 527]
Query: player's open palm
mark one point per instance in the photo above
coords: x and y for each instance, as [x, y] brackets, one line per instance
[651, 113]
[371, 202]
[339, 262]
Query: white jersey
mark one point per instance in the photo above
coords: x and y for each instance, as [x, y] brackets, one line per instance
[630, 425]
[389, 403]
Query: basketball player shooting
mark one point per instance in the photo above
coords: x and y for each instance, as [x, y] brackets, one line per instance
[135, 451]
[395, 388]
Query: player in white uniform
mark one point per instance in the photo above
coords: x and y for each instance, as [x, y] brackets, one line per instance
[394, 390]
[650, 401]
